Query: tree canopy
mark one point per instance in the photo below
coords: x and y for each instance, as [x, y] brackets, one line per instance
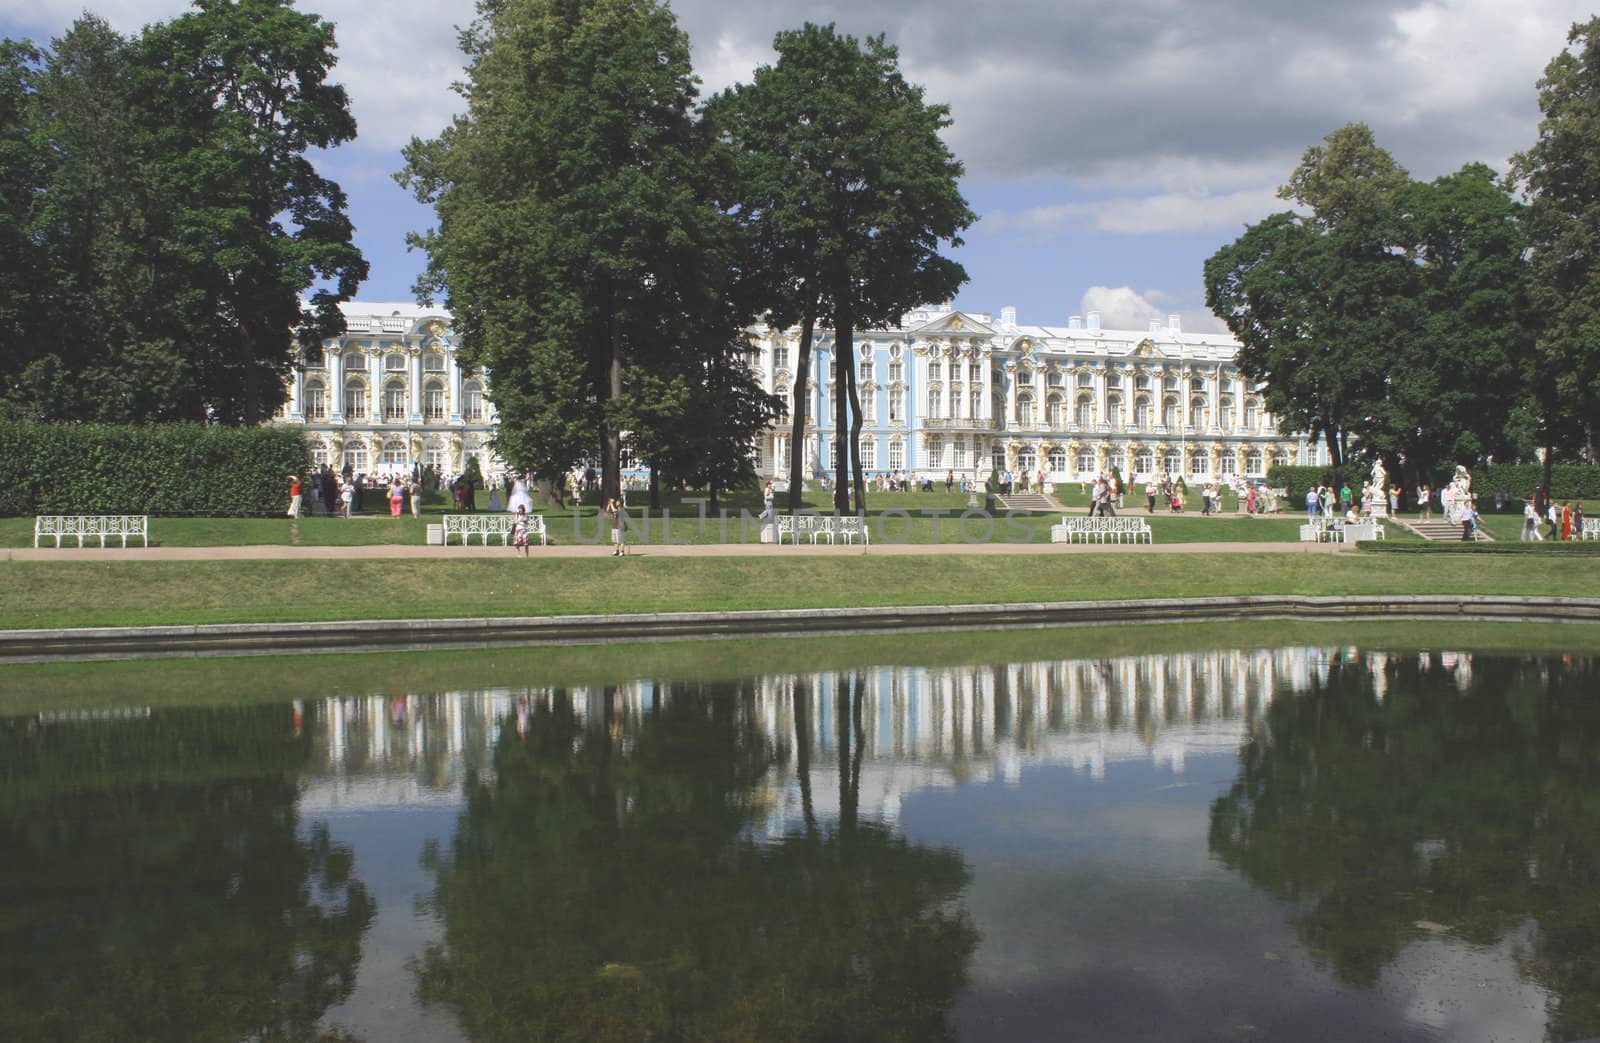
[162, 216]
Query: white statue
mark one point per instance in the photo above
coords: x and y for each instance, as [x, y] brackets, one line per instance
[1379, 477]
[1462, 485]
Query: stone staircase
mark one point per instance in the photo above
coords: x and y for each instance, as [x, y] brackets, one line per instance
[1439, 529]
[1027, 502]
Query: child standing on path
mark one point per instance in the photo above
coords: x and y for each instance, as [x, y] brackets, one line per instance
[294, 497]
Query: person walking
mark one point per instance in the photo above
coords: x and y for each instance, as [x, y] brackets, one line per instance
[294, 497]
[615, 516]
[414, 491]
[347, 495]
[1530, 524]
[397, 497]
[768, 501]
[1424, 501]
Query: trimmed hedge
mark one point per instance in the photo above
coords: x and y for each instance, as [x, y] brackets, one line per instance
[171, 469]
[1572, 548]
[1567, 481]
[1299, 479]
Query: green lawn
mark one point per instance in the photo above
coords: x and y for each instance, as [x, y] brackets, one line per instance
[52, 594]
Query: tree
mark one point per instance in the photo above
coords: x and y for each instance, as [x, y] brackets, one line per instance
[849, 191]
[574, 236]
[1561, 176]
[172, 217]
[236, 93]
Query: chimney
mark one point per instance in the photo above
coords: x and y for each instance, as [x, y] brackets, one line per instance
[1094, 320]
[1155, 325]
[1008, 317]
[1075, 322]
[1175, 323]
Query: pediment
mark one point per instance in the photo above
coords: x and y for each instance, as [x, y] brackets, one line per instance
[1147, 349]
[955, 323]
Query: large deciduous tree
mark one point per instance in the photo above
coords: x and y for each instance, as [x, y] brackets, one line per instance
[159, 192]
[1561, 175]
[849, 193]
[575, 237]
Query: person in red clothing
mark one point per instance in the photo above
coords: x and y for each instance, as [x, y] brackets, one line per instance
[294, 496]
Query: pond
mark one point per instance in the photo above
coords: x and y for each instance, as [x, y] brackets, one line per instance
[1023, 836]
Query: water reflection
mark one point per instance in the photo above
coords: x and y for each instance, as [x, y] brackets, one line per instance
[853, 854]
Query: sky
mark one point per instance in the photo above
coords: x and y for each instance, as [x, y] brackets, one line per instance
[1110, 146]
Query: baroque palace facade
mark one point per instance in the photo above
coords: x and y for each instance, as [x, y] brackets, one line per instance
[951, 391]
[946, 391]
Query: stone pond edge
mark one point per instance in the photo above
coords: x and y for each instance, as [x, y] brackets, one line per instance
[378, 635]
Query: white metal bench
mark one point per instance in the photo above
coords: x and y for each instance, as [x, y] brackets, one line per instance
[1591, 529]
[89, 526]
[1102, 530]
[846, 527]
[485, 525]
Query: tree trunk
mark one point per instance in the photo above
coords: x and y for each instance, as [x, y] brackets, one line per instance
[843, 349]
[802, 747]
[611, 440]
[1331, 437]
[797, 437]
[856, 419]
[1549, 463]
[713, 485]
[655, 487]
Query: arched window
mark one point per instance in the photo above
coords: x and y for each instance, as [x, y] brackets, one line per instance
[1085, 411]
[316, 400]
[1024, 378]
[394, 399]
[394, 361]
[1169, 413]
[1141, 413]
[935, 449]
[355, 362]
[869, 453]
[432, 363]
[1114, 380]
[1197, 384]
[1027, 460]
[1144, 462]
[1052, 413]
[997, 458]
[1058, 459]
[1252, 464]
[1198, 463]
[472, 407]
[319, 455]
[1114, 412]
[1025, 411]
[1141, 382]
[433, 401]
[356, 460]
[897, 454]
[1172, 463]
[1227, 463]
[1169, 383]
[1085, 461]
[395, 456]
[355, 399]
[1197, 412]
[1280, 459]
[434, 456]
[1086, 380]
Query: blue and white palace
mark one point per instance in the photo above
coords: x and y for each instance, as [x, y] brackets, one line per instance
[944, 392]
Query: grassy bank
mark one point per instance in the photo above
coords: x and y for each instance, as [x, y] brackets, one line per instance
[62, 594]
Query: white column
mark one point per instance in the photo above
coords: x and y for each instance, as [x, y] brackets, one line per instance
[1102, 406]
[416, 386]
[1216, 382]
[296, 408]
[457, 407]
[1011, 393]
[336, 378]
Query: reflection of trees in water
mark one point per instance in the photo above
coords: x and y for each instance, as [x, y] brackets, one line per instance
[607, 887]
[157, 886]
[1467, 801]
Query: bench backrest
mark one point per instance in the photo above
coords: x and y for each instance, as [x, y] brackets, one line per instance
[483, 522]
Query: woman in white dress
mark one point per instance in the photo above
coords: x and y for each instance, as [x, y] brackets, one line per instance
[519, 496]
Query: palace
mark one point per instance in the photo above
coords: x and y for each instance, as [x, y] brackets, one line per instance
[388, 394]
[951, 391]
[946, 391]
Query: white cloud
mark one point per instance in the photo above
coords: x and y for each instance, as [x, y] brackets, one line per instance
[1166, 213]
[1124, 308]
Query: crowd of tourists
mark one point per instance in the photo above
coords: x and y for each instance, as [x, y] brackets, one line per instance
[326, 492]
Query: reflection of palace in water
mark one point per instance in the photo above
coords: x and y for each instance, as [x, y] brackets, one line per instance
[916, 727]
